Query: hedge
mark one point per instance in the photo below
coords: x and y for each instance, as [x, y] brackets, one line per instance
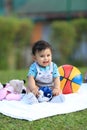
[14, 35]
[66, 37]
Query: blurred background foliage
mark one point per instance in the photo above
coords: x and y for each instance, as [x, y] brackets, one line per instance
[14, 37]
[66, 38]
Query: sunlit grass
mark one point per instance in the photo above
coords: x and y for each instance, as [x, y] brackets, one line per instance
[7, 75]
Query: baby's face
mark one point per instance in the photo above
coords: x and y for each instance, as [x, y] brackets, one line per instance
[43, 57]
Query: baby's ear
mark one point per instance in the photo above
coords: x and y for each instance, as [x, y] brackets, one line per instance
[34, 58]
[24, 81]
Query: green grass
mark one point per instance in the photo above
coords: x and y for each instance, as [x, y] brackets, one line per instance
[71, 121]
[7, 75]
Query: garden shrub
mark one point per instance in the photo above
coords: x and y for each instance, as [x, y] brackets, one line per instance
[14, 36]
[64, 39]
[67, 36]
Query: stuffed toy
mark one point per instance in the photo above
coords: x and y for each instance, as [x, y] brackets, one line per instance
[18, 85]
[13, 90]
[45, 94]
[1, 86]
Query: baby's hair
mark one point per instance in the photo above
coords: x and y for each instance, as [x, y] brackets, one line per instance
[40, 45]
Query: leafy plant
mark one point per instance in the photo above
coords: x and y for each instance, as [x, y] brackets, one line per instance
[14, 36]
[64, 38]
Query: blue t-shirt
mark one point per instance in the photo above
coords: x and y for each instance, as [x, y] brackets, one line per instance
[33, 70]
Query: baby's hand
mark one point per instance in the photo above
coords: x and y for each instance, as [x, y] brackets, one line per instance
[56, 92]
[35, 92]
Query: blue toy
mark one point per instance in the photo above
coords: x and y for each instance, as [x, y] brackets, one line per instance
[45, 94]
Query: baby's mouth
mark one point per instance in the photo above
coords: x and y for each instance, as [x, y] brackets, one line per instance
[46, 62]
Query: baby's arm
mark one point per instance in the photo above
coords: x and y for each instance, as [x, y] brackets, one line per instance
[56, 89]
[32, 86]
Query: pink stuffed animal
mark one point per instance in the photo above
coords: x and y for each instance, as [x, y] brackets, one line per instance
[8, 93]
[1, 86]
[12, 90]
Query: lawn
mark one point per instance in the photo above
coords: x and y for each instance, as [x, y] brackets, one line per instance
[71, 121]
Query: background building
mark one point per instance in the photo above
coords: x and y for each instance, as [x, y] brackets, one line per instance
[43, 12]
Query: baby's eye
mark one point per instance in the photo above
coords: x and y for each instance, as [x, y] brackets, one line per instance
[42, 56]
[48, 55]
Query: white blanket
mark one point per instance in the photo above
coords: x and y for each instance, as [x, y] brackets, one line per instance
[73, 102]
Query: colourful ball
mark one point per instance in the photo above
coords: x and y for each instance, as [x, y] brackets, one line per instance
[70, 78]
